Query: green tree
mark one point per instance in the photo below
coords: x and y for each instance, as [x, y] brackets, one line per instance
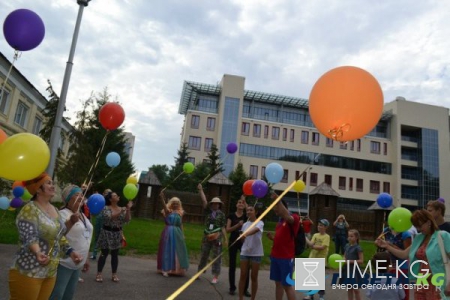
[238, 177]
[214, 160]
[161, 172]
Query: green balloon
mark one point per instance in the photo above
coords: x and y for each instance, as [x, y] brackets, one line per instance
[26, 195]
[333, 261]
[188, 167]
[130, 191]
[400, 219]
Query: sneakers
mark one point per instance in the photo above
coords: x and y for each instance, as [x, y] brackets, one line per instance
[247, 294]
[214, 280]
[165, 274]
[93, 257]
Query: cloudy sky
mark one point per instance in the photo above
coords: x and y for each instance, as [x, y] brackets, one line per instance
[143, 51]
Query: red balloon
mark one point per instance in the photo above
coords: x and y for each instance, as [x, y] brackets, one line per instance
[111, 116]
[247, 187]
[3, 136]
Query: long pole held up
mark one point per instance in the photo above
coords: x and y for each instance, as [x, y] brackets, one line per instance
[56, 131]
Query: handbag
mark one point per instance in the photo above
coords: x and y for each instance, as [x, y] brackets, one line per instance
[123, 241]
[445, 259]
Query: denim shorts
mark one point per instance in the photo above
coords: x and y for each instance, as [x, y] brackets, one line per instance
[256, 259]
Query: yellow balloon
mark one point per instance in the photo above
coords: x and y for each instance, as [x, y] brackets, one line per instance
[23, 156]
[299, 186]
[132, 180]
[11, 208]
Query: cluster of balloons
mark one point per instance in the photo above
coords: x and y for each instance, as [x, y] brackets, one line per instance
[384, 200]
[23, 29]
[255, 187]
[130, 190]
[346, 103]
[23, 156]
[20, 194]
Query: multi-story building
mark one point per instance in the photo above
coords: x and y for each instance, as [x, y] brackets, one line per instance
[129, 144]
[406, 154]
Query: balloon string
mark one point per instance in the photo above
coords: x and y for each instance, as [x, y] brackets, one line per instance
[209, 174]
[337, 133]
[97, 158]
[112, 169]
[172, 182]
[195, 276]
[16, 56]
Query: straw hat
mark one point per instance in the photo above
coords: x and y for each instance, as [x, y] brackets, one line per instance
[215, 200]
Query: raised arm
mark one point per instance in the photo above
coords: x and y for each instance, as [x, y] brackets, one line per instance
[202, 195]
[284, 213]
[163, 203]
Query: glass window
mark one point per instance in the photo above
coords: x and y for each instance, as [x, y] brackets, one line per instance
[292, 135]
[343, 145]
[191, 160]
[329, 143]
[21, 114]
[374, 187]
[350, 184]
[253, 171]
[285, 176]
[275, 133]
[245, 130]
[208, 144]
[358, 145]
[263, 172]
[342, 182]
[194, 142]
[359, 185]
[313, 179]
[305, 137]
[328, 179]
[257, 130]
[195, 121]
[266, 131]
[352, 145]
[375, 147]
[37, 126]
[211, 124]
[315, 138]
[4, 101]
[284, 134]
[386, 187]
[385, 148]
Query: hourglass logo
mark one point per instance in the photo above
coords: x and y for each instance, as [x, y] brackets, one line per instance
[310, 273]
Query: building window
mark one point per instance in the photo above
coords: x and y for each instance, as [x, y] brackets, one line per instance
[210, 124]
[386, 187]
[342, 182]
[329, 143]
[284, 134]
[253, 171]
[195, 142]
[358, 145]
[359, 185]
[305, 137]
[208, 144]
[257, 130]
[313, 179]
[207, 161]
[374, 187]
[343, 145]
[4, 101]
[375, 147]
[245, 128]
[292, 135]
[21, 114]
[285, 176]
[328, 179]
[191, 160]
[350, 184]
[266, 131]
[315, 138]
[352, 145]
[275, 133]
[195, 121]
[37, 125]
[385, 148]
[263, 172]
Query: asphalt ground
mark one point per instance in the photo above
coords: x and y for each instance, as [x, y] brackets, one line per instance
[139, 280]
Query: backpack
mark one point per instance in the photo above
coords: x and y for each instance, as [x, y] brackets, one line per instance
[299, 239]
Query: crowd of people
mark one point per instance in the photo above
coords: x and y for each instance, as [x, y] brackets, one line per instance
[54, 245]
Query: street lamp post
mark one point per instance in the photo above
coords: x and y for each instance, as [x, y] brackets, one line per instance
[56, 131]
[307, 188]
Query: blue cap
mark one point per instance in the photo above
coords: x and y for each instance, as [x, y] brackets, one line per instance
[324, 222]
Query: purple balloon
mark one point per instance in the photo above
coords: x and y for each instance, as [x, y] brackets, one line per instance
[384, 200]
[23, 29]
[259, 188]
[232, 148]
[442, 200]
[16, 202]
[96, 203]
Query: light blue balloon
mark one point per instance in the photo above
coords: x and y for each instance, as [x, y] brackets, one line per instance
[4, 203]
[274, 173]
[113, 159]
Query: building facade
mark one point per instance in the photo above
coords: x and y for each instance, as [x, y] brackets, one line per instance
[405, 155]
[129, 144]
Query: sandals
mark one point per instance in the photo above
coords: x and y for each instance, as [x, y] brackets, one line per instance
[99, 278]
[115, 278]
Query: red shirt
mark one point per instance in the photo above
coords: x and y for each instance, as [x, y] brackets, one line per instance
[307, 225]
[283, 243]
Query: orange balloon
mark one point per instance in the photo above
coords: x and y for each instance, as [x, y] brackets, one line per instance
[18, 183]
[346, 103]
[3, 136]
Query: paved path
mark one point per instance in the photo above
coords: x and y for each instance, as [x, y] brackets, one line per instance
[139, 280]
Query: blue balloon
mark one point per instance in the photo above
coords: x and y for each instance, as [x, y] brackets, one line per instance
[4, 203]
[18, 191]
[274, 173]
[384, 200]
[96, 203]
[113, 159]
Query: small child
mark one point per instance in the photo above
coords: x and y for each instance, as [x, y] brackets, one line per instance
[319, 243]
[353, 254]
[384, 261]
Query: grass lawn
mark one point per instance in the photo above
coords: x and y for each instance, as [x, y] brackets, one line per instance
[143, 237]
